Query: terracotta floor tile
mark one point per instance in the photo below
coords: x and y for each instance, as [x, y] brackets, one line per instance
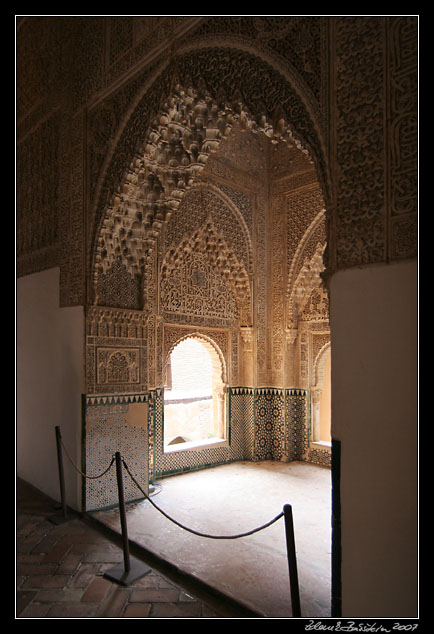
[59, 595]
[84, 575]
[45, 581]
[103, 556]
[57, 553]
[45, 544]
[176, 610]
[59, 572]
[28, 543]
[36, 569]
[151, 580]
[137, 610]
[23, 599]
[73, 611]
[69, 564]
[155, 595]
[29, 558]
[114, 604]
[35, 611]
[96, 591]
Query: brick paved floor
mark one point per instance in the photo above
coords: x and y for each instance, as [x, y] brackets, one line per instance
[60, 573]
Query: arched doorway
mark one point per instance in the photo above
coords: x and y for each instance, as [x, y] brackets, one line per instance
[194, 398]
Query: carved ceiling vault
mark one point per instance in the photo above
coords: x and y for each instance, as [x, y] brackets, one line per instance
[176, 149]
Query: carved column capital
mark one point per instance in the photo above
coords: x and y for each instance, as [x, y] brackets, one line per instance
[247, 336]
[316, 394]
[291, 335]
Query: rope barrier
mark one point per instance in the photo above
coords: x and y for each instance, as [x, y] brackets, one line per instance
[60, 445]
[190, 530]
[289, 532]
[133, 569]
[84, 474]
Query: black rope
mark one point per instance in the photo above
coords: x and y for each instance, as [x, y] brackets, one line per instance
[190, 530]
[84, 474]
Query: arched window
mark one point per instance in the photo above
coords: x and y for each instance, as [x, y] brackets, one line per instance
[194, 397]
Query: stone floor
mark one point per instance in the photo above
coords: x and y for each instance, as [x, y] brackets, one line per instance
[60, 572]
[232, 499]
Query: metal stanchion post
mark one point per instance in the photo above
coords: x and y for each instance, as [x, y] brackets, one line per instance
[292, 560]
[64, 517]
[132, 568]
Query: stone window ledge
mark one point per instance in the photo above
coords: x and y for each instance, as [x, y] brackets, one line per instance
[197, 445]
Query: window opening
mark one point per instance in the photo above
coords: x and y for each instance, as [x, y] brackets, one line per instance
[321, 403]
[194, 404]
[325, 404]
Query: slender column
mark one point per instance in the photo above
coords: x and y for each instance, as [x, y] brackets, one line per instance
[247, 356]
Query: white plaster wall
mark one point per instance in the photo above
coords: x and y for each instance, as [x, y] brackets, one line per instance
[50, 382]
[373, 316]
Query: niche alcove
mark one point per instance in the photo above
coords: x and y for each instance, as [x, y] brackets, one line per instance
[216, 236]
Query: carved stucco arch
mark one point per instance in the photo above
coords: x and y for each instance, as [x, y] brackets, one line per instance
[289, 72]
[235, 265]
[223, 260]
[242, 87]
[210, 345]
[230, 205]
[305, 271]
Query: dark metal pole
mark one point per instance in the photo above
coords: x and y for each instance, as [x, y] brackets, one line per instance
[133, 568]
[122, 512]
[292, 560]
[61, 474]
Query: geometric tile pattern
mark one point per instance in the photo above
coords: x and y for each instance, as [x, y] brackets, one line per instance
[269, 424]
[242, 422]
[109, 426]
[297, 423]
[298, 426]
[264, 424]
[299, 430]
[319, 457]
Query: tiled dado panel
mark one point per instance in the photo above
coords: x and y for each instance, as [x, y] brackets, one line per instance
[269, 424]
[297, 421]
[264, 424]
[242, 421]
[282, 424]
[298, 430]
[111, 424]
[282, 427]
[318, 456]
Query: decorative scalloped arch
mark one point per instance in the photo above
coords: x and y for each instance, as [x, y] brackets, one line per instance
[207, 240]
[211, 188]
[246, 89]
[212, 347]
